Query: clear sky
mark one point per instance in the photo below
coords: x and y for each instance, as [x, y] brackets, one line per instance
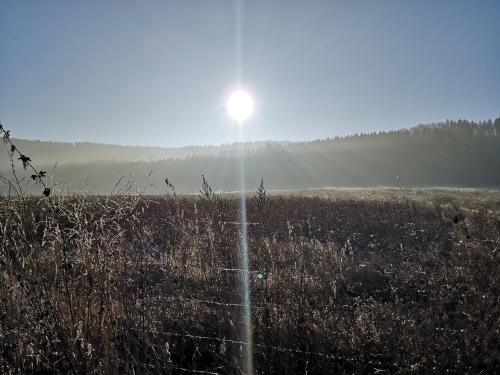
[157, 72]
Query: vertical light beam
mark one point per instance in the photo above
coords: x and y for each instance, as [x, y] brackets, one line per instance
[243, 258]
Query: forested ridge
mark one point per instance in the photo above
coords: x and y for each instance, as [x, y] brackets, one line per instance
[454, 153]
[49, 152]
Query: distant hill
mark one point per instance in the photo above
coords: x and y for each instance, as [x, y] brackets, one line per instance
[454, 153]
[48, 153]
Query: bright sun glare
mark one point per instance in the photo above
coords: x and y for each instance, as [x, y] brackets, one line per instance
[239, 105]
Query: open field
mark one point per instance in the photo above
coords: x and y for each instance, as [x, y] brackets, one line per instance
[460, 197]
[343, 281]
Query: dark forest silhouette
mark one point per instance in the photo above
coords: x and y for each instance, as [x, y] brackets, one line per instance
[455, 153]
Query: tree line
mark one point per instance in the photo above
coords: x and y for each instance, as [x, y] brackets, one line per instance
[453, 153]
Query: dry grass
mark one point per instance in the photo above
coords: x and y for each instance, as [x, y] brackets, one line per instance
[147, 285]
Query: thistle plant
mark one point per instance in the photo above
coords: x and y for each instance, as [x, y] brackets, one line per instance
[260, 197]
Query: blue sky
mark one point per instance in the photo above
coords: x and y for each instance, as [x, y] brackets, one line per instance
[157, 72]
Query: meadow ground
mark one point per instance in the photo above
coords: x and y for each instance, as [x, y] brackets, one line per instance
[342, 281]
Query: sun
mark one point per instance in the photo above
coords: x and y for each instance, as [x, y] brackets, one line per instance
[240, 105]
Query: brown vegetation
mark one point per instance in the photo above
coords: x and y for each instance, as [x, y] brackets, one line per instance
[150, 285]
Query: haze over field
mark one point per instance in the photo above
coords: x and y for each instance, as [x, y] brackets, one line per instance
[455, 153]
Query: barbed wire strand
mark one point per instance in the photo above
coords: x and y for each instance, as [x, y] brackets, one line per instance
[195, 371]
[239, 342]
